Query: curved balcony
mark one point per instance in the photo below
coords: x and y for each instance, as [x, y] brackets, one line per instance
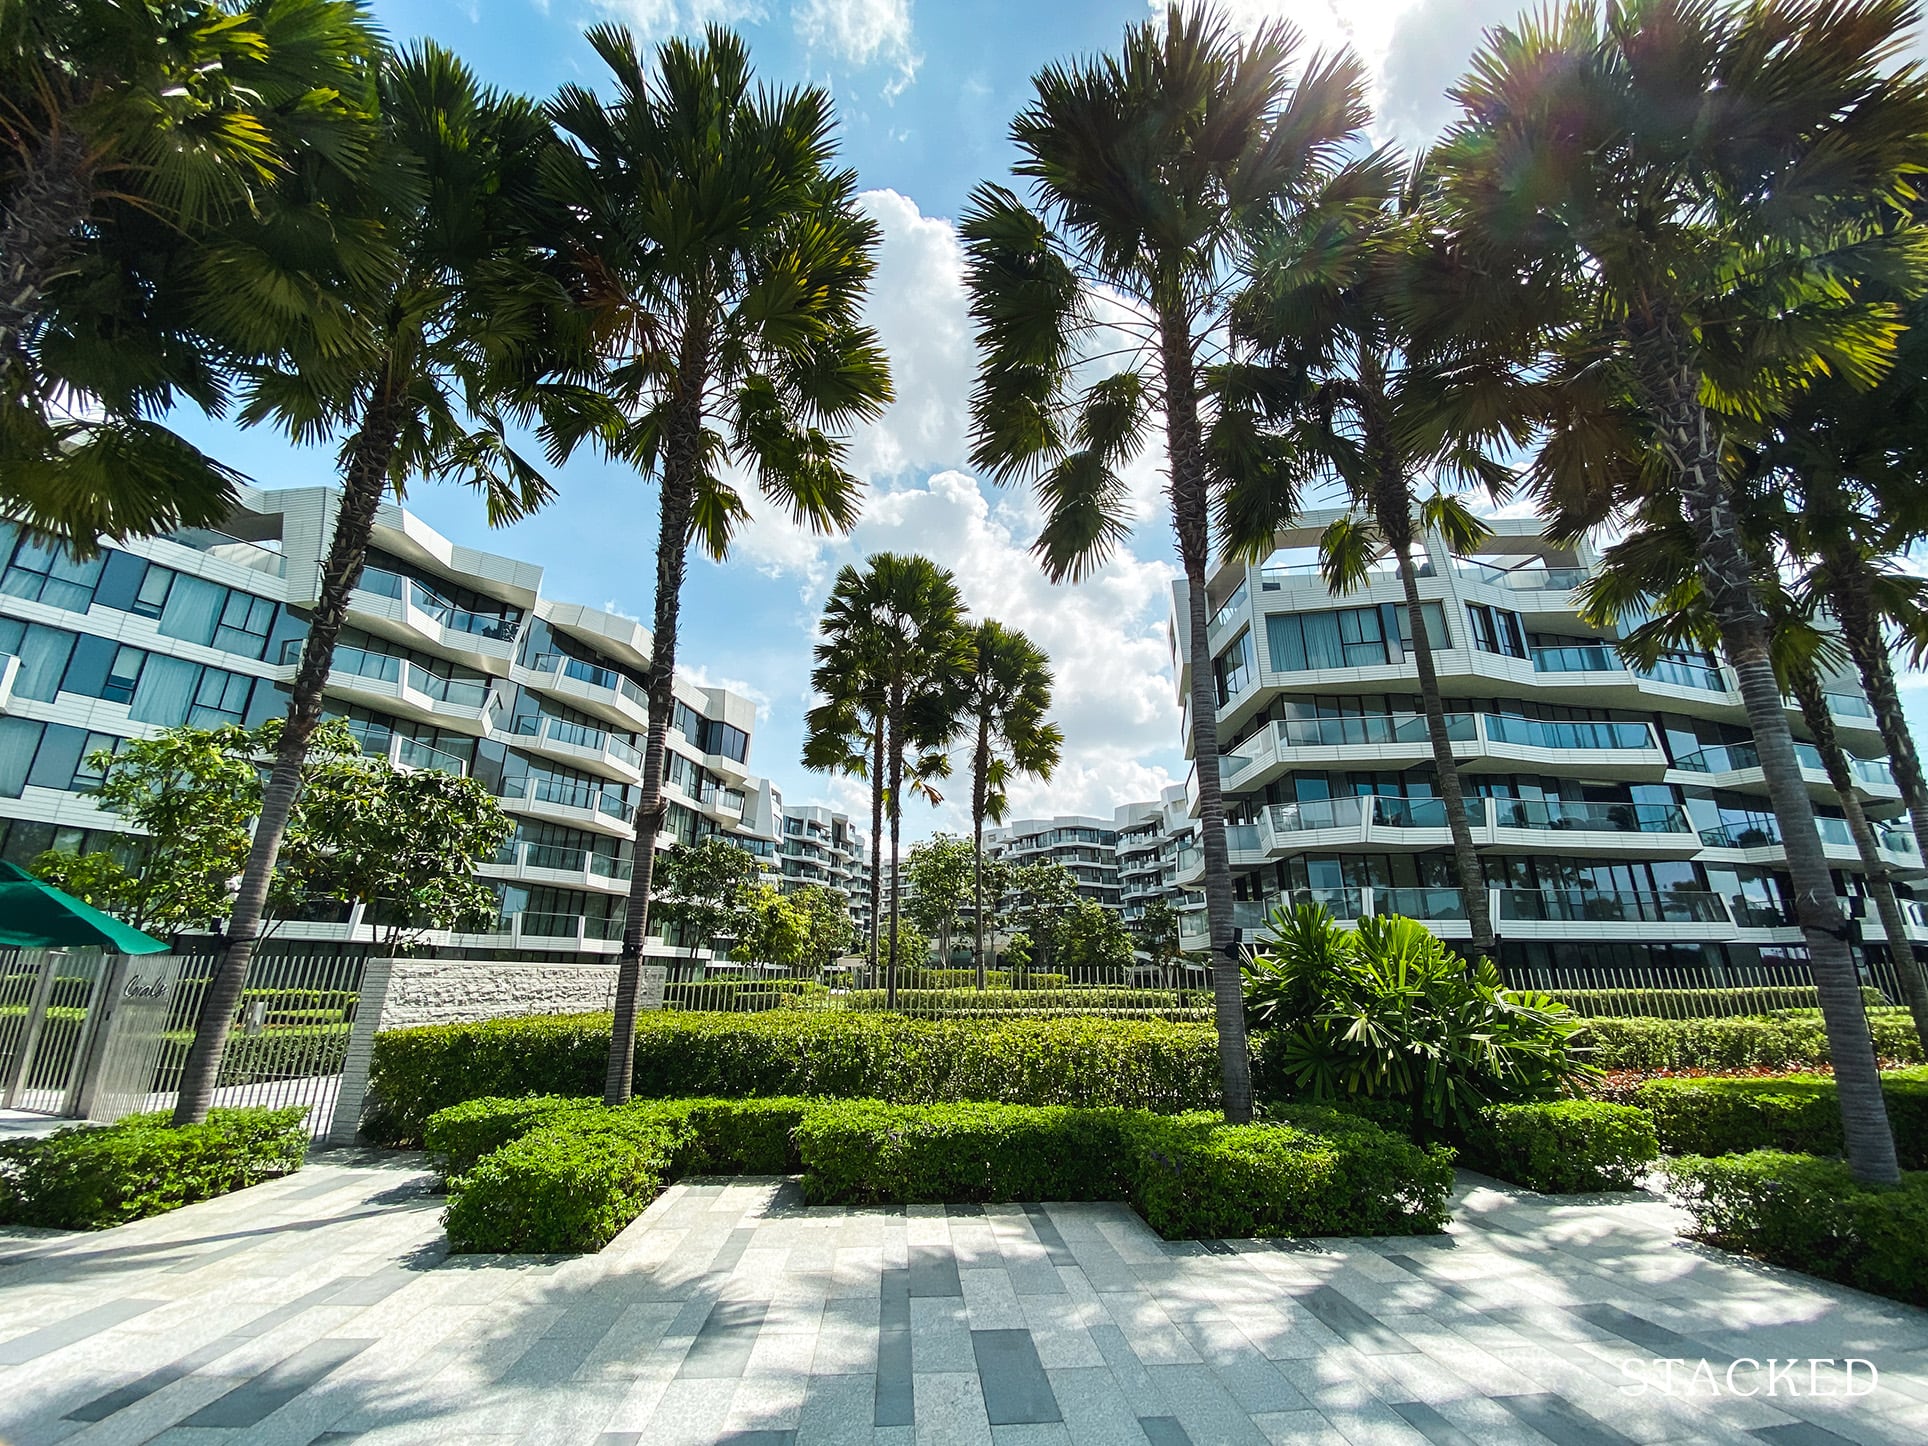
[415, 755]
[600, 691]
[396, 685]
[564, 800]
[577, 744]
[1553, 825]
[408, 610]
[1738, 766]
[560, 933]
[1757, 840]
[579, 868]
[1591, 906]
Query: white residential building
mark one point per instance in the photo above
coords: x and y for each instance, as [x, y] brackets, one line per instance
[820, 846]
[452, 658]
[1621, 814]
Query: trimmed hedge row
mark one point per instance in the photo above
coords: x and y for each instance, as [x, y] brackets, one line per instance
[1787, 1043]
[577, 1173]
[1563, 1147]
[1699, 1003]
[1151, 1064]
[1800, 1114]
[93, 1176]
[1811, 1215]
[1100, 1000]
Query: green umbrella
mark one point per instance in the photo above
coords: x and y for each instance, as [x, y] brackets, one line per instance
[34, 915]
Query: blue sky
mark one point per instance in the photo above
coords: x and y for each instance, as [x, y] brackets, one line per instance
[924, 91]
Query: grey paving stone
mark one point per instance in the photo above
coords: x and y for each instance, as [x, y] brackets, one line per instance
[758, 1438]
[121, 1397]
[722, 1347]
[933, 1270]
[1800, 1433]
[950, 1409]
[1042, 1225]
[1204, 1407]
[1558, 1419]
[252, 1401]
[1163, 1431]
[1430, 1424]
[940, 1336]
[837, 1408]
[1352, 1323]
[1034, 1277]
[1016, 1392]
[731, 1251]
[35, 1344]
[894, 1403]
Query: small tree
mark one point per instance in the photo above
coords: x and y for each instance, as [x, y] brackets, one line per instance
[401, 843]
[829, 931]
[939, 873]
[1157, 932]
[775, 929]
[707, 888]
[1038, 896]
[1091, 937]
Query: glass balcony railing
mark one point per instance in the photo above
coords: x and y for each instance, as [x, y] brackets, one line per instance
[1720, 758]
[1684, 673]
[1341, 903]
[1554, 813]
[1431, 904]
[1850, 705]
[1753, 913]
[1229, 609]
[1604, 907]
[1397, 811]
[1564, 734]
[1577, 658]
[577, 735]
[1242, 837]
[251, 555]
[1317, 813]
[497, 626]
[1762, 831]
[567, 793]
[561, 858]
[457, 692]
[1873, 770]
[1371, 728]
[413, 753]
[1531, 577]
[564, 666]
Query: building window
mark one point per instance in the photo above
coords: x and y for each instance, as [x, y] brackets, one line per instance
[43, 654]
[1343, 638]
[50, 575]
[1232, 670]
[246, 621]
[1496, 630]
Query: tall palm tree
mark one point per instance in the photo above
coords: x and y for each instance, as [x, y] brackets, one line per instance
[1006, 694]
[1684, 186]
[455, 327]
[728, 259]
[132, 132]
[846, 736]
[1106, 304]
[1354, 396]
[893, 640]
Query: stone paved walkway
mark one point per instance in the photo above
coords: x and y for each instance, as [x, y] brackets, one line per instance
[322, 1308]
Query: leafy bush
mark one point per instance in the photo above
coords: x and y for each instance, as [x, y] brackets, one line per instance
[746, 995]
[1386, 1009]
[570, 1174]
[1811, 1214]
[1799, 1114]
[1563, 1147]
[460, 1135]
[569, 1185]
[1699, 1003]
[1792, 1042]
[1088, 1001]
[1148, 1064]
[93, 1176]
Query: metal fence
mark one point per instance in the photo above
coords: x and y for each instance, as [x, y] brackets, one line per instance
[1696, 992]
[47, 1000]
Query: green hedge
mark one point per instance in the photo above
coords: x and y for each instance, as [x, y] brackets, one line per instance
[1812, 1215]
[1151, 1064]
[577, 1173]
[1563, 1147]
[1099, 1001]
[747, 995]
[1798, 1042]
[1799, 1114]
[92, 1176]
[1699, 1003]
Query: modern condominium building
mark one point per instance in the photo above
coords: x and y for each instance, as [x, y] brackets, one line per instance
[1150, 836]
[452, 659]
[1620, 814]
[819, 846]
[1085, 845]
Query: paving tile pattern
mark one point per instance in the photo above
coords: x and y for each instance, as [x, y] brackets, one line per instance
[323, 1309]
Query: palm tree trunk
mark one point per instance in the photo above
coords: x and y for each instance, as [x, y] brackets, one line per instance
[1853, 601]
[896, 814]
[1191, 519]
[1695, 448]
[363, 484]
[682, 458]
[980, 770]
[876, 842]
[1472, 876]
[45, 212]
[1814, 708]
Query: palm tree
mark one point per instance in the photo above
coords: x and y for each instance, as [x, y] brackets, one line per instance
[459, 320]
[1683, 187]
[1354, 396]
[846, 736]
[1006, 694]
[727, 258]
[1106, 304]
[132, 133]
[893, 645]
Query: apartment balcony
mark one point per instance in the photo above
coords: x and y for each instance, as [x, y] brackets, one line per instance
[602, 692]
[576, 744]
[394, 685]
[1532, 585]
[409, 612]
[576, 868]
[414, 755]
[1738, 766]
[567, 801]
[1556, 826]
[1481, 742]
[1757, 840]
[560, 933]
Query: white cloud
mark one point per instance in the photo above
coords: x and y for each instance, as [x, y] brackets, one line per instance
[703, 677]
[861, 33]
[654, 19]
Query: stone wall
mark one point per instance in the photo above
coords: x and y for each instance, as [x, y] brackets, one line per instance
[432, 991]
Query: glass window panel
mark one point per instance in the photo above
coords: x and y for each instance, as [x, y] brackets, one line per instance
[43, 654]
[19, 738]
[193, 608]
[165, 691]
[151, 600]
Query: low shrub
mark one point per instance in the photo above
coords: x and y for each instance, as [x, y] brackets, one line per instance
[569, 1185]
[1149, 1064]
[1799, 1114]
[1812, 1215]
[1719, 1003]
[1087, 1001]
[1563, 1147]
[1794, 1042]
[579, 1174]
[460, 1135]
[93, 1176]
